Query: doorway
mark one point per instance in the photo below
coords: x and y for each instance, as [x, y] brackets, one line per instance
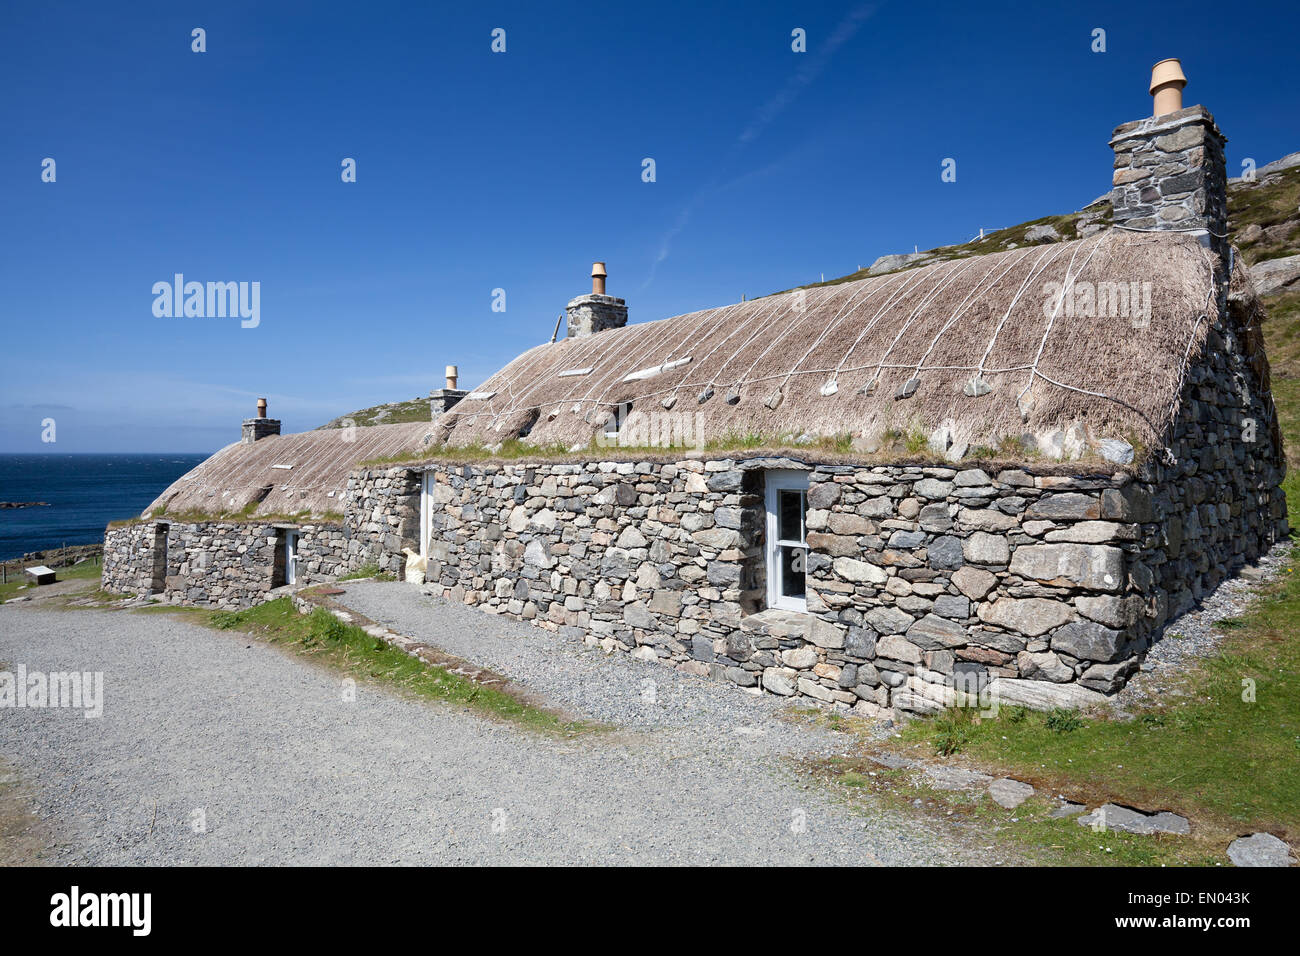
[291, 557]
[158, 573]
[426, 511]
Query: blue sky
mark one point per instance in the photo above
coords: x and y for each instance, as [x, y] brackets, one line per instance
[479, 170]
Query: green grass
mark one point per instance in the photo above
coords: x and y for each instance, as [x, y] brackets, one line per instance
[324, 638]
[246, 515]
[17, 584]
[1027, 834]
[392, 413]
[367, 571]
[1266, 206]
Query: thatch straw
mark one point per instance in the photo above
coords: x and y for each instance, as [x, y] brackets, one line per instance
[240, 475]
[941, 324]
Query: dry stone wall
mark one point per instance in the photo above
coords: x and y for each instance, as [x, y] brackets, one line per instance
[214, 563]
[381, 517]
[923, 582]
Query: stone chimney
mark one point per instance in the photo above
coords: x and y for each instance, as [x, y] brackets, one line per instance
[261, 426]
[1170, 173]
[589, 314]
[441, 399]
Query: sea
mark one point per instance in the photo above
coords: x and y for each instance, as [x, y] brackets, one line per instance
[85, 493]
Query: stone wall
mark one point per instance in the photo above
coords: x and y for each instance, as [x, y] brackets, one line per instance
[381, 516]
[649, 558]
[215, 563]
[922, 581]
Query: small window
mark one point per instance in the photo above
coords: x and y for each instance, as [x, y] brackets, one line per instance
[787, 545]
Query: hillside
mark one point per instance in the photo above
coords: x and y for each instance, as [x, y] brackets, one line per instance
[392, 413]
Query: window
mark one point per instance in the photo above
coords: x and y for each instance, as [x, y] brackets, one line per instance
[787, 545]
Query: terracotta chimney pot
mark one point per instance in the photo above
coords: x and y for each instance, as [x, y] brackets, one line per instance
[1167, 82]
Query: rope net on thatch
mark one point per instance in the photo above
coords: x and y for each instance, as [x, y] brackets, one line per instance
[1095, 332]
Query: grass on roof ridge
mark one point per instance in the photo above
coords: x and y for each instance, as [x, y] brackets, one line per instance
[897, 448]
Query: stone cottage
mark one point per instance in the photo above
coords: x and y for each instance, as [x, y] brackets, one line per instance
[999, 473]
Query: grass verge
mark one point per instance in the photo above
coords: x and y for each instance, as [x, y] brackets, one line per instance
[1028, 835]
[368, 571]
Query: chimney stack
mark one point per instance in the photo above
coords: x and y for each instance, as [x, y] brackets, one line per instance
[260, 427]
[1170, 171]
[589, 314]
[442, 399]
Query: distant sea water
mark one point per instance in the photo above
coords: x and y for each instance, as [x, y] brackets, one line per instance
[85, 493]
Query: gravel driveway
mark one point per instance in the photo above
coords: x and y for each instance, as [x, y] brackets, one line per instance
[258, 744]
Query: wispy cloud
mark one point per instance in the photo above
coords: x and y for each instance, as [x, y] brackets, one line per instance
[812, 67]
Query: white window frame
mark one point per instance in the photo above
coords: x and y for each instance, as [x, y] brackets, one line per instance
[777, 481]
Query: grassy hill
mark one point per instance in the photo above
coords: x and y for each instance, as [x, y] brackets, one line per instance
[392, 413]
[1264, 219]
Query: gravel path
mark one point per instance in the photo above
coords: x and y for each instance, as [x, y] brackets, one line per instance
[261, 745]
[583, 680]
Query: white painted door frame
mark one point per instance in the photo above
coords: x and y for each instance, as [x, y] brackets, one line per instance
[426, 513]
[776, 481]
[290, 557]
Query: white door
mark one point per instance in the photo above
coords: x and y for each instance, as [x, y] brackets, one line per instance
[787, 545]
[426, 513]
[290, 557]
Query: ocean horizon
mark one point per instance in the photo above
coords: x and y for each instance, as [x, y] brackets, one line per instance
[85, 492]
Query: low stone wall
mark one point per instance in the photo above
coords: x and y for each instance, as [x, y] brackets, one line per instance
[215, 563]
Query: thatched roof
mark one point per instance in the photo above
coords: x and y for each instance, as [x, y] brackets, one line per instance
[286, 473]
[983, 346]
[990, 355]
